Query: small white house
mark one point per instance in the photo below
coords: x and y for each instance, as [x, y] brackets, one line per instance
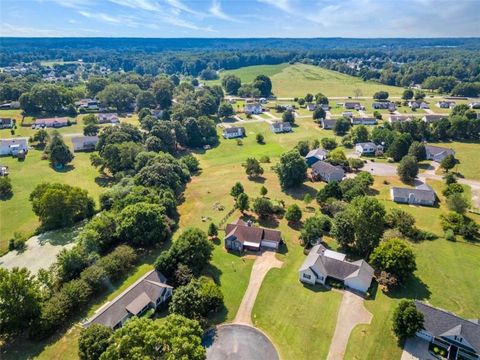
[399, 118]
[13, 146]
[252, 108]
[281, 127]
[322, 263]
[446, 104]
[363, 121]
[233, 132]
[84, 143]
[311, 106]
[368, 148]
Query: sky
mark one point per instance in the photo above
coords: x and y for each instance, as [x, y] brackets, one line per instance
[240, 18]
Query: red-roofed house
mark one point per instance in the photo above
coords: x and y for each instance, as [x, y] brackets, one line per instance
[241, 235]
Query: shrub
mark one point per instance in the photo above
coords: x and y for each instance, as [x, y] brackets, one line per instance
[5, 187]
[93, 341]
[264, 159]
[449, 235]
[260, 138]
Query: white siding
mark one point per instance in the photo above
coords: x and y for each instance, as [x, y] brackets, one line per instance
[304, 276]
[270, 244]
[357, 284]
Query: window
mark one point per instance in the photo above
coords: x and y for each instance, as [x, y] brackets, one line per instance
[306, 276]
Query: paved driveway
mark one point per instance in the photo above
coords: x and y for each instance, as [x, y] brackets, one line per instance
[416, 349]
[238, 342]
[378, 168]
[352, 313]
[264, 262]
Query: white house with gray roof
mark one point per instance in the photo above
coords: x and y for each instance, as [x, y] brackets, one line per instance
[368, 148]
[325, 171]
[438, 153]
[148, 292]
[13, 146]
[322, 263]
[459, 337]
[234, 132]
[421, 195]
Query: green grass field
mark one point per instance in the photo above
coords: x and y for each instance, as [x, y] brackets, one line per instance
[468, 157]
[299, 79]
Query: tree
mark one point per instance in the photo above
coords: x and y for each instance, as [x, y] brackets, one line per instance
[242, 202]
[314, 229]
[328, 143]
[41, 137]
[337, 157]
[59, 153]
[119, 96]
[143, 224]
[330, 190]
[343, 229]
[407, 170]
[381, 95]
[359, 134]
[253, 168]
[196, 299]
[263, 191]
[458, 202]
[308, 98]
[307, 199]
[231, 84]
[225, 110]
[293, 214]
[394, 256]
[448, 163]
[291, 170]
[303, 147]
[60, 205]
[407, 94]
[399, 147]
[192, 249]
[93, 341]
[450, 179]
[237, 189]
[263, 84]
[260, 138]
[288, 116]
[70, 263]
[20, 297]
[163, 91]
[419, 95]
[318, 114]
[301, 101]
[176, 337]
[357, 92]
[263, 207]
[342, 126]
[453, 188]
[212, 230]
[407, 320]
[91, 130]
[145, 99]
[417, 149]
[355, 163]
[321, 99]
[95, 85]
[5, 187]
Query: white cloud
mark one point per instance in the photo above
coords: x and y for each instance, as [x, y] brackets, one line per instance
[284, 5]
[216, 11]
[139, 4]
[16, 30]
[177, 4]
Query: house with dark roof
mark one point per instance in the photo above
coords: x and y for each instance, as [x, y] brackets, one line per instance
[446, 104]
[55, 122]
[390, 106]
[474, 105]
[6, 123]
[421, 195]
[438, 153]
[322, 170]
[148, 292]
[459, 337]
[281, 127]
[322, 263]
[363, 121]
[253, 108]
[315, 155]
[418, 105]
[328, 124]
[311, 106]
[106, 118]
[352, 105]
[84, 143]
[430, 119]
[241, 235]
[233, 132]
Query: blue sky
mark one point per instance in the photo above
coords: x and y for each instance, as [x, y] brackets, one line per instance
[240, 18]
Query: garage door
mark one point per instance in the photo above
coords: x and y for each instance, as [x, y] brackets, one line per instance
[270, 244]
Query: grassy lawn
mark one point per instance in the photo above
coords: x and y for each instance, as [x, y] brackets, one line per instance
[16, 212]
[466, 153]
[299, 79]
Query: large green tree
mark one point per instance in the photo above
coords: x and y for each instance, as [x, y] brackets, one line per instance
[394, 256]
[231, 84]
[407, 169]
[263, 84]
[59, 153]
[93, 341]
[291, 170]
[407, 320]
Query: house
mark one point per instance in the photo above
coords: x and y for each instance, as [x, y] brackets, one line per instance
[241, 235]
[148, 292]
[322, 263]
[13, 146]
[352, 106]
[252, 108]
[6, 123]
[429, 119]
[233, 132]
[368, 148]
[311, 106]
[421, 195]
[325, 107]
[10, 105]
[399, 118]
[328, 124]
[106, 118]
[89, 104]
[384, 105]
[347, 114]
[363, 121]
[437, 153]
[55, 122]
[316, 155]
[446, 104]
[418, 105]
[474, 105]
[459, 337]
[322, 170]
[281, 127]
[157, 113]
[84, 143]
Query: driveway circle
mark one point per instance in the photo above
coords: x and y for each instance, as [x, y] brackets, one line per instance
[238, 342]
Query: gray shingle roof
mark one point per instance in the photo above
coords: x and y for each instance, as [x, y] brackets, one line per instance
[443, 323]
[423, 192]
[438, 149]
[233, 129]
[317, 153]
[323, 167]
[254, 234]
